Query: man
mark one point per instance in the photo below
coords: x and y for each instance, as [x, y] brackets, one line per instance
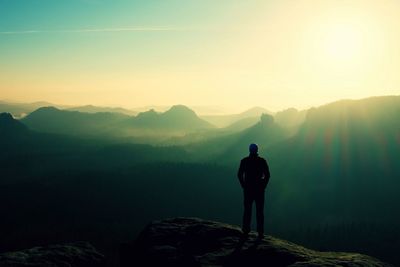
[253, 176]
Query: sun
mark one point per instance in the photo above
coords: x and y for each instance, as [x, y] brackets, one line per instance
[341, 48]
[342, 43]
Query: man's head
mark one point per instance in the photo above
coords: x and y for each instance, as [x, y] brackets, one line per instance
[253, 149]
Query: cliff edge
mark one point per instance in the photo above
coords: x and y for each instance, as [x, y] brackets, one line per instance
[197, 242]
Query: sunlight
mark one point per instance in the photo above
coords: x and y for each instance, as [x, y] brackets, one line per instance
[342, 45]
[342, 42]
[344, 52]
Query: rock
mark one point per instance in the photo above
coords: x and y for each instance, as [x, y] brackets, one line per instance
[78, 254]
[196, 242]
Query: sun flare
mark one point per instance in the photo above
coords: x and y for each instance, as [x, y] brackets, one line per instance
[342, 42]
[343, 52]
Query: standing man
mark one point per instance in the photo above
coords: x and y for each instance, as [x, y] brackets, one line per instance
[253, 176]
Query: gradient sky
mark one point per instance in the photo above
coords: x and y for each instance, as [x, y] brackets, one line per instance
[237, 54]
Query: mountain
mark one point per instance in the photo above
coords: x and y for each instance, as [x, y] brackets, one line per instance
[265, 133]
[232, 147]
[291, 119]
[146, 126]
[26, 153]
[53, 120]
[19, 110]
[197, 109]
[345, 160]
[147, 108]
[95, 109]
[197, 242]
[10, 127]
[334, 184]
[226, 120]
[178, 118]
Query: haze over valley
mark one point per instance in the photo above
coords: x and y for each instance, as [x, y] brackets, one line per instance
[334, 172]
[123, 124]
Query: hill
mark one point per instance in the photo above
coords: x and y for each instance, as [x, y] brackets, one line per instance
[20, 110]
[178, 118]
[334, 184]
[146, 126]
[10, 127]
[53, 120]
[345, 158]
[231, 148]
[291, 119]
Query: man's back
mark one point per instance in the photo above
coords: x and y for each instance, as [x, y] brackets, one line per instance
[253, 172]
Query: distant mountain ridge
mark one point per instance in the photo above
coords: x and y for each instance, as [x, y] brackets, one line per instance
[178, 119]
[334, 183]
[9, 126]
[53, 120]
[97, 109]
[232, 147]
[20, 110]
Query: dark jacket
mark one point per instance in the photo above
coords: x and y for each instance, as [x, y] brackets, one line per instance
[253, 172]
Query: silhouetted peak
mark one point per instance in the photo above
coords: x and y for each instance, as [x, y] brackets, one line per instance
[377, 107]
[180, 109]
[266, 119]
[6, 117]
[197, 242]
[177, 118]
[46, 109]
[148, 114]
[9, 124]
[255, 111]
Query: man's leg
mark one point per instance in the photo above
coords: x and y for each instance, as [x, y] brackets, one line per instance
[260, 212]
[248, 203]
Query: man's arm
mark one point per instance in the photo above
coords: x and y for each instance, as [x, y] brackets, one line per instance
[266, 173]
[240, 174]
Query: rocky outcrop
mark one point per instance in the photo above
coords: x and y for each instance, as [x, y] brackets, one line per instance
[196, 242]
[78, 254]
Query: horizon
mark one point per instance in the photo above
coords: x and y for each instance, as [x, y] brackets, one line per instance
[232, 54]
[207, 110]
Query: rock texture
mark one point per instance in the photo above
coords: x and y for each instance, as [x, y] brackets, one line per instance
[196, 242]
[79, 254]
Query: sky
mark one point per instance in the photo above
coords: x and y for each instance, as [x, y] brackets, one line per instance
[229, 53]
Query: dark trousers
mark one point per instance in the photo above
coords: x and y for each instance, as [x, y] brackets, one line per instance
[250, 196]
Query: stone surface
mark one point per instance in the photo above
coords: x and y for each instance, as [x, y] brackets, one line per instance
[78, 254]
[196, 242]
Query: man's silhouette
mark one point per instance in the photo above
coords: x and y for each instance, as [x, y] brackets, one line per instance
[253, 176]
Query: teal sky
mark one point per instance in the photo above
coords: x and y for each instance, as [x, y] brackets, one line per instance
[235, 54]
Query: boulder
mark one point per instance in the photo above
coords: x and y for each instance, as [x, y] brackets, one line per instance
[197, 242]
[78, 254]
